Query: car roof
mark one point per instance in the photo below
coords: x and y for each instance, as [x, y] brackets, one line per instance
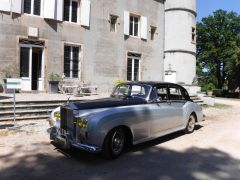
[152, 83]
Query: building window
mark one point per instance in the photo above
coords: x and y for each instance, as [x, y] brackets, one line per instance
[70, 11]
[133, 67]
[193, 34]
[153, 31]
[32, 7]
[134, 25]
[113, 23]
[71, 61]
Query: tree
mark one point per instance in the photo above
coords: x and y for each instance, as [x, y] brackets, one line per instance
[218, 52]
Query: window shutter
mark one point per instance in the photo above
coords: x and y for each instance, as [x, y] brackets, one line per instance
[85, 13]
[16, 6]
[144, 27]
[49, 9]
[5, 5]
[126, 23]
[59, 10]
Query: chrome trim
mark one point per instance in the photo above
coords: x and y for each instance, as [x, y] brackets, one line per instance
[86, 147]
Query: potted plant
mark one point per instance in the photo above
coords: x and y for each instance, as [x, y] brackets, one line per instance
[210, 89]
[53, 82]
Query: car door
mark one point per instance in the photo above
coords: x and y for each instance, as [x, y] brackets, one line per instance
[162, 111]
[176, 103]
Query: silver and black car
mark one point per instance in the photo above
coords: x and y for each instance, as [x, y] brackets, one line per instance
[134, 113]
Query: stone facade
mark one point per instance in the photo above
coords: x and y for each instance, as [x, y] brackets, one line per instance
[180, 41]
[103, 54]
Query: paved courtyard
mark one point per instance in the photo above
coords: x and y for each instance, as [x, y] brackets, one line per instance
[211, 152]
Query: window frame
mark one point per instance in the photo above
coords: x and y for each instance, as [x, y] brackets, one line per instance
[133, 65]
[71, 60]
[70, 12]
[111, 17]
[153, 30]
[131, 34]
[184, 98]
[193, 35]
[32, 9]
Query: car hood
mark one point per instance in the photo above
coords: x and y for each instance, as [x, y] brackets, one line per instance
[106, 103]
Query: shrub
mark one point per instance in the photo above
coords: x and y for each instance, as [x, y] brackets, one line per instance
[218, 92]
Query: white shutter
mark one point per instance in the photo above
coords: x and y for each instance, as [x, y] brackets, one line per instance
[144, 27]
[49, 9]
[85, 13]
[126, 22]
[59, 10]
[5, 5]
[16, 6]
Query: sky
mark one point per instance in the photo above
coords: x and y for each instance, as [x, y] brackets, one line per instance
[207, 7]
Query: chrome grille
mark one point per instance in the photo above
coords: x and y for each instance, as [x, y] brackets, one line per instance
[66, 119]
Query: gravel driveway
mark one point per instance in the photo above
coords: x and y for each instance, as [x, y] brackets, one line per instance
[211, 152]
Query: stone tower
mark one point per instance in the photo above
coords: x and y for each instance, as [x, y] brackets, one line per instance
[180, 41]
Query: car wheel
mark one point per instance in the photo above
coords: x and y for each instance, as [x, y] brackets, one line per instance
[114, 143]
[191, 124]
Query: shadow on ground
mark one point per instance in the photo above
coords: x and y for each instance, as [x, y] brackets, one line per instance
[145, 161]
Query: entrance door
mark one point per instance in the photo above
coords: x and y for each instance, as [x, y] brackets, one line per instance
[36, 67]
[31, 67]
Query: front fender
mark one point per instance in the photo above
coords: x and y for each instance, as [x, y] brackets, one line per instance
[102, 123]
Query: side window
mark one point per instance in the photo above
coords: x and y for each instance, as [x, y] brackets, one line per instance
[121, 90]
[138, 90]
[176, 94]
[162, 94]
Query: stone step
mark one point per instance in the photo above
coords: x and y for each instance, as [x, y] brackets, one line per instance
[20, 118]
[30, 106]
[26, 114]
[10, 103]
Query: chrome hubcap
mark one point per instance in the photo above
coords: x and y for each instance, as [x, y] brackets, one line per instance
[117, 142]
[191, 124]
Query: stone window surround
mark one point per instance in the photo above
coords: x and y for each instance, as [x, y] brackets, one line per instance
[79, 59]
[70, 11]
[32, 9]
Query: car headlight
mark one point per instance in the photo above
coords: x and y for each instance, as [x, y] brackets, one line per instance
[81, 122]
[57, 116]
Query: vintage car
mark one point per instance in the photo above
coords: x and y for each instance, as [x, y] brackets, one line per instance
[134, 113]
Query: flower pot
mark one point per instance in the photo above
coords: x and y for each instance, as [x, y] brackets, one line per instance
[209, 92]
[53, 87]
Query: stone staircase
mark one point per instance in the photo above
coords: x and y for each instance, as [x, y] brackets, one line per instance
[28, 110]
[197, 100]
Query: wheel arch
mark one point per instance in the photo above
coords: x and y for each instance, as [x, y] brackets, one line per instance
[127, 131]
[195, 116]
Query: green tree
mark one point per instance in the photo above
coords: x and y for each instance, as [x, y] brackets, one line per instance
[218, 42]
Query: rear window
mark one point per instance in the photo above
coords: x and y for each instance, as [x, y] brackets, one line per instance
[176, 93]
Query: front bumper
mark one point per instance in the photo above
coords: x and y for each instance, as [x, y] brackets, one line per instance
[68, 142]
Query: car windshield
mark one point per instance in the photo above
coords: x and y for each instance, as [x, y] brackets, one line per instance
[131, 90]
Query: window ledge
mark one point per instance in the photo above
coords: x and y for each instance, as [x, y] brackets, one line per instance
[32, 15]
[72, 23]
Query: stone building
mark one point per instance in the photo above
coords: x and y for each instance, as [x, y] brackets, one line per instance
[180, 41]
[94, 41]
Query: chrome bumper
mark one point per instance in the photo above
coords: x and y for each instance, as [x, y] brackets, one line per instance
[68, 142]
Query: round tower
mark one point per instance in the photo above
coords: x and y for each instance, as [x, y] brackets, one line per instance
[180, 41]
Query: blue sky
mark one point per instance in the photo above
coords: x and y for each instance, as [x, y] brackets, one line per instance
[207, 7]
